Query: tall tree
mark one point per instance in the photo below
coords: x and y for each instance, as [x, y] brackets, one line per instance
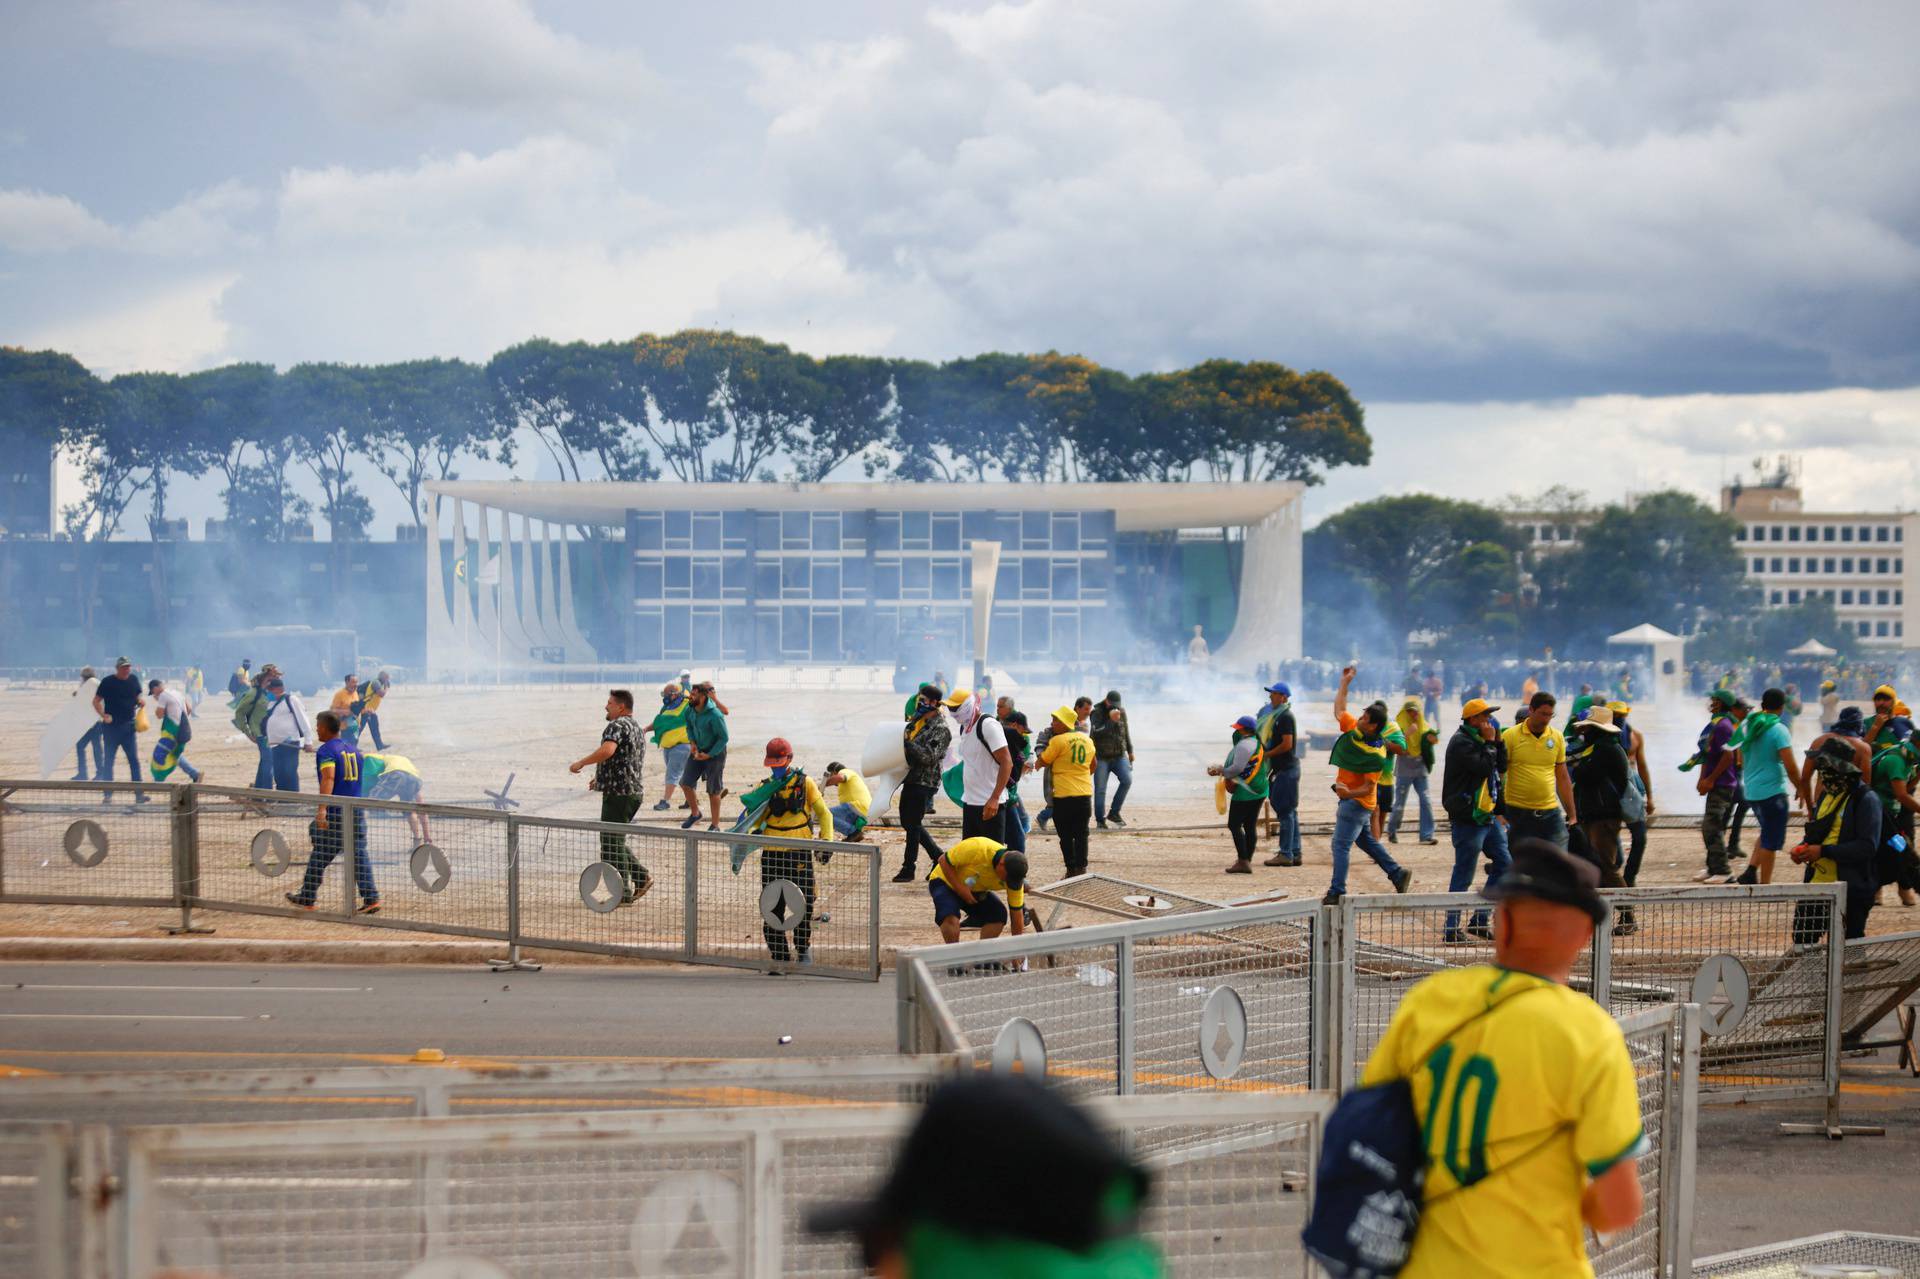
[424, 417]
[49, 401]
[580, 402]
[723, 406]
[1263, 421]
[1426, 563]
[233, 408]
[323, 410]
[849, 418]
[1668, 559]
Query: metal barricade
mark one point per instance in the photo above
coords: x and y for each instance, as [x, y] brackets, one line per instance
[716, 1191]
[35, 1168]
[1230, 999]
[1110, 897]
[1839, 1253]
[1664, 1046]
[89, 843]
[1881, 975]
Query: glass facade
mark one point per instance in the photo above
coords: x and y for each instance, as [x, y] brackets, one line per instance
[842, 586]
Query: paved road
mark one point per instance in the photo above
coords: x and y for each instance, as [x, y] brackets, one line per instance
[82, 1017]
[1754, 1186]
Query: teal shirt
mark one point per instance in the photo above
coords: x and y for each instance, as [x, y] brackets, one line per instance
[707, 729]
[1761, 773]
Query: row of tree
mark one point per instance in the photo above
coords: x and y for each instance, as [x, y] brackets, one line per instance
[1459, 576]
[696, 406]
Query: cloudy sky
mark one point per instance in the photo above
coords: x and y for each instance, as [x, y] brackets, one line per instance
[1613, 246]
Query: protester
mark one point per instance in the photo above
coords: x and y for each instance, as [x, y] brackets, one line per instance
[985, 766]
[925, 738]
[345, 696]
[707, 732]
[1244, 774]
[1880, 732]
[1829, 701]
[392, 776]
[175, 711]
[853, 800]
[1600, 771]
[1359, 753]
[117, 700]
[1470, 794]
[1892, 772]
[372, 698]
[1396, 743]
[1082, 710]
[1842, 840]
[1413, 768]
[337, 768]
[94, 738]
[288, 731]
[1113, 757]
[1432, 688]
[241, 679]
[1278, 736]
[793, 809]
[250, 711]
[1069, 757]
[1538, 790]
[1066, 1198]
[618, 764]
[1014, 821]
[963, 882]
[1768, 772]
[669, 729]
[1548, 1083]
[1636, 806]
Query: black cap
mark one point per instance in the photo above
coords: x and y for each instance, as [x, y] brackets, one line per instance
[1542, 871]
[931, 691]
[1113, 697]
[1835, 756]
[1063, 1183]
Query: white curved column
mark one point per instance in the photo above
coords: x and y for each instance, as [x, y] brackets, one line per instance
[1267, 624]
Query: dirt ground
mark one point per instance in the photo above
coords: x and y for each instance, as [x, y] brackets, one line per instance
[467, 741]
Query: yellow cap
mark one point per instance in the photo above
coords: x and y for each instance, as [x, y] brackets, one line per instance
[957, 696]
[1065, 717]
[1619, 708]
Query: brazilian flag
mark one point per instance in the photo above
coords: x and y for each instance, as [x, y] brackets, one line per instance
[1356, 754]
[166, 751]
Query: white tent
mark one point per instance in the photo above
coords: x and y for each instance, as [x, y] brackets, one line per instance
[1812, 648]
[1669, 660]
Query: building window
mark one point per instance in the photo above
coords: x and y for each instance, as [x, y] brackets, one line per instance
[1759, 565]
[1793, 565]
[946, 532]
[916, 579]
[1066, 531]
[1881, 534]
[794, 581]
[1828, 566]
[1846, 597]
[649, 577]
[1846, 533]
[1773, 533]
[1880, 597]
[1793, 597]
[679, 577]
[826, 530]
[916, 531]
[886, 579]
[1896, 629]
[1740, 534]
[1774, 598]
[706, 531]
[1826, 533]
[1866, 628]
[1899, 597]
[1866, 533]
[706, 576]
[1900, 566]
[1793, 533]
[826, 582]
[1846, 565]
[1898, 530]
[1757, 534]
[1879, 628]
[946, 580]
[1880, 566]
[1776, 564]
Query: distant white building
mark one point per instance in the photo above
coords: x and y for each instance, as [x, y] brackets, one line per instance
[1857, 559]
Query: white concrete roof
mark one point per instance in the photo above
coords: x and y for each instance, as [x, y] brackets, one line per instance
[1137, 507]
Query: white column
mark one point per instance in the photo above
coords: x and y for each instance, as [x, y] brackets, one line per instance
[1267, 624]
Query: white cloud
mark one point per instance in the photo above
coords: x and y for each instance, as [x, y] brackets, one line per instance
[175, 329]
[35, 222]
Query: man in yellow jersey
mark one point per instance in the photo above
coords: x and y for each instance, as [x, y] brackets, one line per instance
[370, 699]
[1537, 794]
[853, 800]
[389, 775]
[794, 810]
[967, 876]
[345, 696]
[1069, 754]
[1532, 1118]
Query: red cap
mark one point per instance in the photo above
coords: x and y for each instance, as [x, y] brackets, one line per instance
[779, 751]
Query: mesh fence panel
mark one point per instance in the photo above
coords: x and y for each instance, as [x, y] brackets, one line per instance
[1230, 1201]
[1095, 898]
[574, 875]
[826, 1169]
[1844, 1252]
[1776, 937]
[1638, 1249]
[86, 842]
[1268, 967]
[252, 848]
[437, 870]
[1881, 974]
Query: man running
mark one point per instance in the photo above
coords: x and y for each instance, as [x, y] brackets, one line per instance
[174, 710]
[337, 766]
[1359, 753]
[707, 731]
[669, 729]
[925, 739]
[1533, 1116]
[618, 765]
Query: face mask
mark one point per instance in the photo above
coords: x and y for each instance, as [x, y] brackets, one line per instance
[780, 772]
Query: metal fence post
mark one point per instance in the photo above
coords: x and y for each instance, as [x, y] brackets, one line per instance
[906, 1022]
[1603, 965]
[1123, 1019]
[513, 963]
[690, 909]
[765, 1204]
[1346, 1029]
[99, 1193]
[1323, 1071]
[349, 854]
[873, 913]
[1681, 1137]
[184, 820]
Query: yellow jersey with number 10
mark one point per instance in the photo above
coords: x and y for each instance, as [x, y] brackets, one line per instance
[1070, 756]
[1521, 1108]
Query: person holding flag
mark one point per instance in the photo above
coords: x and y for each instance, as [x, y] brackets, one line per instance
[176, 730]
[1470, 794]
[1359, 756]
[669, 729]
[789, 805]
[1244, 778]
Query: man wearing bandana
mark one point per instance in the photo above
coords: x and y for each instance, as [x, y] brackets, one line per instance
[1841, 839]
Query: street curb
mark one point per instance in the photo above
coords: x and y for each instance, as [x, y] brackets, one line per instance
[254, 950]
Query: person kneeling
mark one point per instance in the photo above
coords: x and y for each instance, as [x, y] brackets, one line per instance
[963, 884]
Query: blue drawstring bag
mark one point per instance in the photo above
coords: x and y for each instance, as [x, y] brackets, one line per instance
[1373, 1169]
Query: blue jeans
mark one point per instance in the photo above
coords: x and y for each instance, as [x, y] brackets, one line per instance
[263, 771]
[1283, 796]
[1418, 786]
[1469, 841]
[1013, 830]
[119, 737]
[845, 820]
[1353, 824]
[676, 758]
[1102, 769]
[95, 738]
[326, 847]
[286, 768]
[1549, 824]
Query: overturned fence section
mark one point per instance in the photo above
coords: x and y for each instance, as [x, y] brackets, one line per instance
[1881, 976]
[626, 890]
[1222, 1000]
[675, 1192]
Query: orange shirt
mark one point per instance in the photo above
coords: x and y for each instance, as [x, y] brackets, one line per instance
[1365, 783]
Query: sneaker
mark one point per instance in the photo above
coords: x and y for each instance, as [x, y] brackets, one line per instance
[1751, 875]
[662, 806]
[1625, 928]
[1103, 825]
[1430, 841]
[368, 908]
[1392, 838]
[858, 837]
[1116, 819]
[776, 972]
[692, 821]
[1723, 877]
[807, 958]
[1332, 899]
[641, 889]
[1279, 859]
[715, 826]
[906, 876]
[1909, 898]
[1479, 928]
[297, 900]
[1041, 822]
[1402, 880]
[143, 799]
[1240, 868]
[1702, 876]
